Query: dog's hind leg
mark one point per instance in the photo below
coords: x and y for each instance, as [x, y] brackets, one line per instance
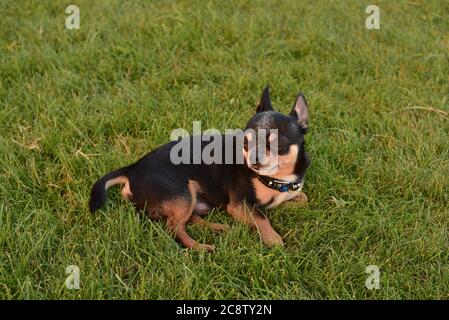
[218, 227]
[178, 213]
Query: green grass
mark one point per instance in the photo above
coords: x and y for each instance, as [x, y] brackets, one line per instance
[75, 104]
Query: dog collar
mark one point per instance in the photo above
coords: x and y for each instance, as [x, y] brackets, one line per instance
[279, 185]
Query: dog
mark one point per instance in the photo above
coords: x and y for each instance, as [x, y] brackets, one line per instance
[185, 193]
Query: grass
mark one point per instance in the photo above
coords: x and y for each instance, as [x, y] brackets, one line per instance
[75, 104]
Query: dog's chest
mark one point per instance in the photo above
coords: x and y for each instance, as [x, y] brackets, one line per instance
[269, 197]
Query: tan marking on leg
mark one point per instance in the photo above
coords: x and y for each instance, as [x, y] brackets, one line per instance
[256, 220]
[196, 219]
[194, 188]
[178, 213]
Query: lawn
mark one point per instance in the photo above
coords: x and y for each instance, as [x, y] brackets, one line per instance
[75, 104]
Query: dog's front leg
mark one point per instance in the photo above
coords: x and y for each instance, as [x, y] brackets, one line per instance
[253, 217]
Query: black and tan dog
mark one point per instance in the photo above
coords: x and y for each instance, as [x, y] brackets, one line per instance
[184, 193]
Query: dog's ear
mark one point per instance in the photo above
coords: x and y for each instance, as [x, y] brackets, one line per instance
[265, 101]
[300, 112]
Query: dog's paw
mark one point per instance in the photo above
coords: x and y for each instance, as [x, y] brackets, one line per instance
[273, 240]
[301, 198]
[206, 247]
[219, 227]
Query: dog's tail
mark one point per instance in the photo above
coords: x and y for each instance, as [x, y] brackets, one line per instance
[98, 192]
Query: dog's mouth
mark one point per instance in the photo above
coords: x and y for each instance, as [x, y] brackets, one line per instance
[265, 170]
[266, 163]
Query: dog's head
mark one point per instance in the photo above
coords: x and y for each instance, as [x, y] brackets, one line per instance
[274, 142]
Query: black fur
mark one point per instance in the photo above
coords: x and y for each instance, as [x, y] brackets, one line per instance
[265, 101]
[154, 179]
[98, 192]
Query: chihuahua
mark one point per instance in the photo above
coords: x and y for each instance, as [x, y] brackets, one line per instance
[185, 193]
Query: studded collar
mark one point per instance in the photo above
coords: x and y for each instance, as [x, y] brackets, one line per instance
[279, 185]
